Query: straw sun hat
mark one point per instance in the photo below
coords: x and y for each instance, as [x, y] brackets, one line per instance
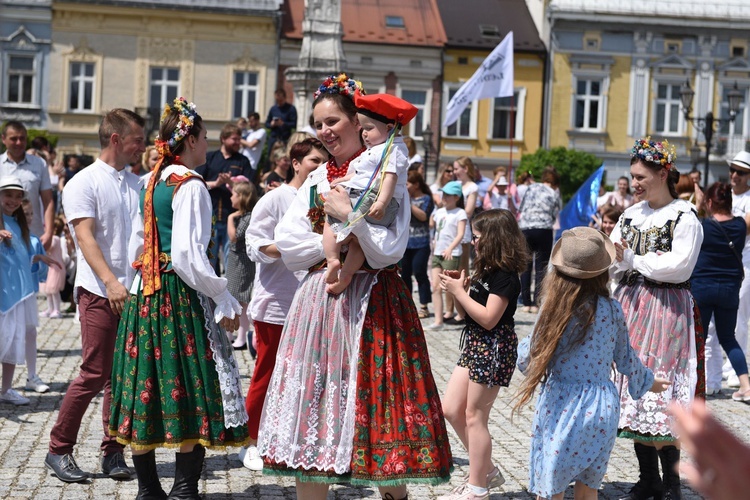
[583, 253]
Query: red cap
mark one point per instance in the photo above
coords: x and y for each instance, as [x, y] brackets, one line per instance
[385, 108]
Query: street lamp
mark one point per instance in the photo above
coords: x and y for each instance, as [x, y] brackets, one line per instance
[708, 124]
[427, 143]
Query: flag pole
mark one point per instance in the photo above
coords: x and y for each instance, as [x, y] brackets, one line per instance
[512, 134]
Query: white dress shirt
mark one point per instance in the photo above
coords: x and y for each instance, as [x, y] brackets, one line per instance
[34, 177]
[110, 197]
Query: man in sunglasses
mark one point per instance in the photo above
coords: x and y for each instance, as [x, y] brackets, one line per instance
[739, 175]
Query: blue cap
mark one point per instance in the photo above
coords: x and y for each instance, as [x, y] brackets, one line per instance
[453, 188]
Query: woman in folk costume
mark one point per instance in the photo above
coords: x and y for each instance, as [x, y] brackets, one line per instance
[352, 396]
[657, 242]
[175, 383]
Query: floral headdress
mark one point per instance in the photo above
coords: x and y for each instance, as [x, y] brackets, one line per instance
[340, 84]
[150, 262]
[187, 114]
[661, 153]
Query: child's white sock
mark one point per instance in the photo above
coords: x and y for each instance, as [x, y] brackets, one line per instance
[478, 490]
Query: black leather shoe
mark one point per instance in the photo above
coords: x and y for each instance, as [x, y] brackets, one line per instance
[65, 468]
[115, 467]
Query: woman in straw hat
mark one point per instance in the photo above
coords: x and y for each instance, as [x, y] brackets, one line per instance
[570, 354]
[658, 241]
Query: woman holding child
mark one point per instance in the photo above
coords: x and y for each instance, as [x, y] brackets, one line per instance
[352, 368]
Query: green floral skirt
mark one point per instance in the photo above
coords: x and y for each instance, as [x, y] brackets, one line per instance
[165, 387]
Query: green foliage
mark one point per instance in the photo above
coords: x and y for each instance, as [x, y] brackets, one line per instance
[35, 132]
[573, 166]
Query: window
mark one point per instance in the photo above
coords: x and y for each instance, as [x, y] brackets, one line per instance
[504, 117]
[668, 118]
[394, 22]
[740, 126]
[245, 93]
[81, 87]
[21, 79]
[165, 86]
[489, 31]
[463, 60]
[463, 126]
[588, 104]
[738, 51]
[419, 99]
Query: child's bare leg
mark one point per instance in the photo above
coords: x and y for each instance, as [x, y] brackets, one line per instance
[355, 257]
[583, 492]
[332, 251]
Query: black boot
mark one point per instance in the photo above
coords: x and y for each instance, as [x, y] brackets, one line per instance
[187, 473]
[649, 483]
[670, 459]
[149, 487]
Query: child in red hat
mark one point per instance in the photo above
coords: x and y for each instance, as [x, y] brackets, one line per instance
[381, 117]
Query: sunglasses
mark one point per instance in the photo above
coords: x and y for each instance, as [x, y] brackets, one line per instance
[449, 171]
[741, 173]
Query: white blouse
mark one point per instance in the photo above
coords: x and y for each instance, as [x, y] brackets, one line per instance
[274, 286]
[674, 266]
[191, 205]
[301, 248]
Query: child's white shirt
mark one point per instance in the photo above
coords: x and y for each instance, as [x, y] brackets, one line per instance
[365, 164]
[446, 229]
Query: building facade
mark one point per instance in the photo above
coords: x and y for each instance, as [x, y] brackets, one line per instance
[139, 55]
[25, 43]
[497, 131]
[391, 46]
[617, 68]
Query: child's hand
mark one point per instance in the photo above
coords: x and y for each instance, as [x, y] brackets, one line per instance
[620, 249]
[452, 285]
[5, 235]
[377, 210]
[447, 254]
[660, 385]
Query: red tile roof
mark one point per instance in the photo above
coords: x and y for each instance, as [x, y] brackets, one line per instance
[365, 21]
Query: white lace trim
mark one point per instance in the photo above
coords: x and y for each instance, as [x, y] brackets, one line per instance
[232, 398]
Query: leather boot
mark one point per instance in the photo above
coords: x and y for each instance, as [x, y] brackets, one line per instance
[149, 487]
[670, 459]
[188, 468]
[649, 483]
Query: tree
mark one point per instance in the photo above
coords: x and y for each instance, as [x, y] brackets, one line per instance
[573, 166]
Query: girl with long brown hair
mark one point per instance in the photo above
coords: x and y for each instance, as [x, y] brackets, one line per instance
[578, 335]
[488, 343]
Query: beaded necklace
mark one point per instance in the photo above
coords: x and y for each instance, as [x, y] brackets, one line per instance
[335, 172]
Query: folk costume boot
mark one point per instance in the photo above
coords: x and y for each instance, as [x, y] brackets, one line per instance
[149, 487]
[670, 459]
[187, 473]
[649, 483]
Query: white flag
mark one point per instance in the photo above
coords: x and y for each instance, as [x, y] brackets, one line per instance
[494, 78]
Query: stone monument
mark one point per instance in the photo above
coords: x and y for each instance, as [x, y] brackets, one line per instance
[321, 55]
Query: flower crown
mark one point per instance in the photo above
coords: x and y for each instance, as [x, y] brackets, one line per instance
[340, 84]
[662, 153]
[187, 114]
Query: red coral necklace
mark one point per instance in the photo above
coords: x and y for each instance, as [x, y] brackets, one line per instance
[335, 172]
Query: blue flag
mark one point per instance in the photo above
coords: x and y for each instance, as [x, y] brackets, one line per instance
[580, 208]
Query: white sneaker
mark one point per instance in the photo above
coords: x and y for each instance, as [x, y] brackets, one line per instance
[251, 458]
[712, 391]
[35, 384]
[733, 380]
[12, 397]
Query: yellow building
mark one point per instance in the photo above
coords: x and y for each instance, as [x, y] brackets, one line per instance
[139, 55]
[490, 131]
[613, 78]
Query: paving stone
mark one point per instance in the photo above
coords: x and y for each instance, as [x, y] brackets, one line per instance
[24, 436]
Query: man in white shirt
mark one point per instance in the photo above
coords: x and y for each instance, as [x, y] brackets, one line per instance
[32, 171]
[739, 175]
[253, 140]
[101, 204]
